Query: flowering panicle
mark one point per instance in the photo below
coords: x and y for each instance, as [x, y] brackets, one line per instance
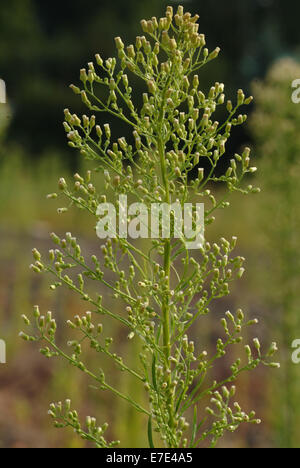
[161, 289]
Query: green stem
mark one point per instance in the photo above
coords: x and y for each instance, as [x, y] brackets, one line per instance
[167, 270]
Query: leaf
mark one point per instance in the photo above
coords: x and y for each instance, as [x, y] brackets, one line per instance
[150, 438]
[195, 427]
[154, 372]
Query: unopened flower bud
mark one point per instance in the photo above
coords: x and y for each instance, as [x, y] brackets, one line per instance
[62, 184]
[119, 43]
[151, 87]
[215, 53]
[144, 25]
[240, 97]
[83, 75]
[248, 100]
[36, 254]
[24, 336]
[99, 60]
[107, 131]
[75, 89]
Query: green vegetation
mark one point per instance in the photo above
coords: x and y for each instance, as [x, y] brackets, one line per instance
[159, 293]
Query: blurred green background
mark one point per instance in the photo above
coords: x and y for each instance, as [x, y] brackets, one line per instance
[42, 47]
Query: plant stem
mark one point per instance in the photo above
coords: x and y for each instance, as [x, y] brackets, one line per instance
[167, 270]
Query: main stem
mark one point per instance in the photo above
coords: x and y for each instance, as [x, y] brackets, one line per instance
[167, 257]
[167, 270]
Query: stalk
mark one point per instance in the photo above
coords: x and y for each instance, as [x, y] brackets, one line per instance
[167, 269]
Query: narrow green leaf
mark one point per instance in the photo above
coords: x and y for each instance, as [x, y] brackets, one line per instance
[195, 428]
[150, 438]
[154, 372]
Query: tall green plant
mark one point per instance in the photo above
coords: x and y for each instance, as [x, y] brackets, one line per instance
[163, 288]
[280, 220]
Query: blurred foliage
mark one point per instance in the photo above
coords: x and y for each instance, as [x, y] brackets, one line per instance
[275, 126]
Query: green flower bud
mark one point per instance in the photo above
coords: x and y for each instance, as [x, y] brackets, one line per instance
[62, 184]
[180, 10]
[36, 311]
[52, 196]
[172, 44]
[241, 272]
[144, 25]
[215, 53]
[24, 336]
[272, 350]
[151, 87]
[119, 43]
[36, 254]
[99, 60]
[25, 320]
[248, 100]
[107, 131]
[240, 97]
[83, 75]
[85, 99]
[35, 269]
[256, 344]
[75, 89]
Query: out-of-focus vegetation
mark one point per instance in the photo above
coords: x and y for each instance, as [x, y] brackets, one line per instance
[42, 46]
[275, 125]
